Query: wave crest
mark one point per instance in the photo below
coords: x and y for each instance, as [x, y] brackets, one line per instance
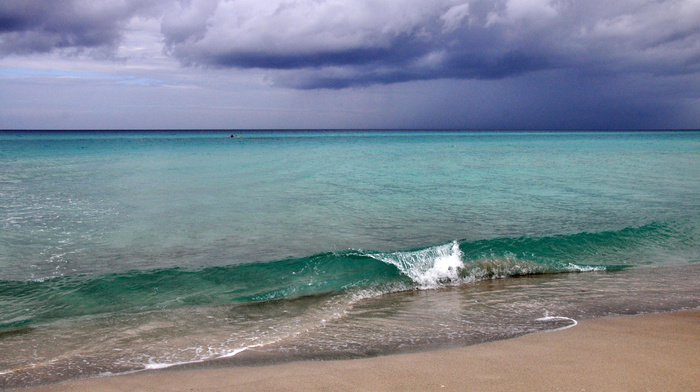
[429, 267]
[446, 265]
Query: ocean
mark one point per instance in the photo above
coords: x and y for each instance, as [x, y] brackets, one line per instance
[122, 251]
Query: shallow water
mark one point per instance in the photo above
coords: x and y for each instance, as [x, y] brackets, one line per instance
[122, 251]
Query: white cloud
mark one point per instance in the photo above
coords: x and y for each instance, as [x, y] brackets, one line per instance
[533, 11]
[453, 18]
[185, 21]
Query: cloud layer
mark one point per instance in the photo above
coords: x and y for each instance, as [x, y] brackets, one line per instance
[345, 43]
[309, 44]
[40, 26]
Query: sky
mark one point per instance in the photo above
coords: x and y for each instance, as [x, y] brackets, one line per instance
[349, 64]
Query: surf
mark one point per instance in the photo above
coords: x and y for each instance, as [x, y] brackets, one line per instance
[368, 273]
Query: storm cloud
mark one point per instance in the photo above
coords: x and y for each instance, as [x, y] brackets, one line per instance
[545, 64]
[38, 26]
[345, 43]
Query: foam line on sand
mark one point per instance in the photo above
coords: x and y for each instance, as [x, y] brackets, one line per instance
[658, 352]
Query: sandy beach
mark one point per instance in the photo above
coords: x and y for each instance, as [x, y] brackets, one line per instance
[635, 353]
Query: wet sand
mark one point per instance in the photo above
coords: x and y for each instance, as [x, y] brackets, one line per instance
[635, 353]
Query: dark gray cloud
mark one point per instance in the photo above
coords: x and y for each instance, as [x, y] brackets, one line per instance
[310, 44]
[40, 26]
[337, 44]
[350, 63]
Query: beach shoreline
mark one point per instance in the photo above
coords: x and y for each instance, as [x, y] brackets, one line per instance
[642, 352]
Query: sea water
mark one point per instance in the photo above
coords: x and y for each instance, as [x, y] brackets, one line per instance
[125, 251]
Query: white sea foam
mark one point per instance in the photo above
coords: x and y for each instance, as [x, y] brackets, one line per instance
[152, 365]
[429, 268]
[237, 343]
[156, 366]
[578, 268]
[446, 265]
[552, 318]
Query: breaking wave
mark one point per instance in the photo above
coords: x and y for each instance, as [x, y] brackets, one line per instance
[356, 271]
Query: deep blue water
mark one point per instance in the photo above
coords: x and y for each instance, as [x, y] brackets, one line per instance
[162, 248]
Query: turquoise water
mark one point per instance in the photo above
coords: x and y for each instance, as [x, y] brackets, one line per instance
[121, 251]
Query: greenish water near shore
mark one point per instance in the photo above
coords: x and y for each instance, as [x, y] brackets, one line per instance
[165, 248]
